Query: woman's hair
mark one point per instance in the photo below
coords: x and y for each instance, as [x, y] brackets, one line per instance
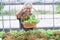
[27, 4]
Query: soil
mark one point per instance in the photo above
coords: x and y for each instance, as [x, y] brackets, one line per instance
[28, 36]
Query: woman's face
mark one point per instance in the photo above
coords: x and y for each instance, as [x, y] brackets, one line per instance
[28, 8]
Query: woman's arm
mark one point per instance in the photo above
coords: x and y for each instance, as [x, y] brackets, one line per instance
[19, 13]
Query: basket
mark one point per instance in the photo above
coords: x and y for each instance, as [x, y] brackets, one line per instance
[28, 25]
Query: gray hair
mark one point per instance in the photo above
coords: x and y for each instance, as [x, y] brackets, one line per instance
[28, 3]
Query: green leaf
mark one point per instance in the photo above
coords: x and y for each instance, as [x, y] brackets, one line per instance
[1, 34]
[42, 31]
[13, 32]
[50, 32]
[21, 32]
[58, 39]
[32, 20]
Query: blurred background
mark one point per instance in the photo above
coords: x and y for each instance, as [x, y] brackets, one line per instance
[47, 11]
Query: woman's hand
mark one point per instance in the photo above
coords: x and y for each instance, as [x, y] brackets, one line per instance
[24, 9]
[20, 12]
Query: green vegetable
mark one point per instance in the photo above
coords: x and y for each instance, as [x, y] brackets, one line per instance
[13, 32]
[58, 39]
[32, 17]
[50, 32]
[42, 31]
[21, 32]
[32, 31]
[32, 20]
[1, 34]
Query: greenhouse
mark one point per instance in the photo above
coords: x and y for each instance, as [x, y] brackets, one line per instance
[29, 19]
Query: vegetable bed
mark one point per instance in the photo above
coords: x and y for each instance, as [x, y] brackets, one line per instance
[39, 34]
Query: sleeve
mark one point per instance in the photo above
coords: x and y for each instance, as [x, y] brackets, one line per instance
[21, 15]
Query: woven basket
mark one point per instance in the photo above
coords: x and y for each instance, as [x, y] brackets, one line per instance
[26, 25]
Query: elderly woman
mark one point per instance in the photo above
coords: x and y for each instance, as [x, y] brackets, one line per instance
[26, 10]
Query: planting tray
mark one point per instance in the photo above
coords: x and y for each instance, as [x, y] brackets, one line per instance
[27, 25]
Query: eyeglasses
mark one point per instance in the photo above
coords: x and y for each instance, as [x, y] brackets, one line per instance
[28, 8]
